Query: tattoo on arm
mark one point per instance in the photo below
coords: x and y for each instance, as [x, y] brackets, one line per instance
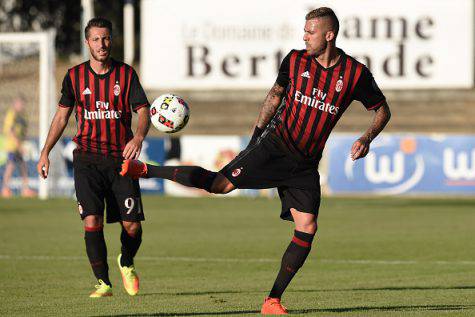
[270, 105]
[381, 118]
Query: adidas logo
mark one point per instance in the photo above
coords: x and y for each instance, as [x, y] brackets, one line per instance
[86, 91]
[305, 74]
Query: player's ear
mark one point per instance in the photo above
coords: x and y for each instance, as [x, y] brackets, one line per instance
[330, 36]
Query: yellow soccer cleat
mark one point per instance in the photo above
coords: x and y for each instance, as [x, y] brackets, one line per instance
[129, 278]
[102, 290]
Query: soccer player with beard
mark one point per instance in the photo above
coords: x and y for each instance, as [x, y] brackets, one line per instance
[103, 92]
[312, 91]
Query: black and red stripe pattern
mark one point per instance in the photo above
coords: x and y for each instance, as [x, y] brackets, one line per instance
[104, 107]
[302, 243]
[316, 97]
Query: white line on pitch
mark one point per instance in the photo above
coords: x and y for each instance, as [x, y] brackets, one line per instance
[232, 260]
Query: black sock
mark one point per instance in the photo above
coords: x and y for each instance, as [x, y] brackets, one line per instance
[293, 259]
[130, 246]
[97, 252]
[191, 176]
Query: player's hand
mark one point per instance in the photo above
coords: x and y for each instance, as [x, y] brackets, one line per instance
[43, 166]
[132, 149]
[360, 148]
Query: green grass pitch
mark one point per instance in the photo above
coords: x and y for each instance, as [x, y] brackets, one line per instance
[219, 256]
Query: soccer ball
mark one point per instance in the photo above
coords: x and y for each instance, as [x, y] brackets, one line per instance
[169, 113]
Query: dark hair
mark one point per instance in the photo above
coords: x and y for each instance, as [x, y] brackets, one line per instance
[98, 23]
[324, 12]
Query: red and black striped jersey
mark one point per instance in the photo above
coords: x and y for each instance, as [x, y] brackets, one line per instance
[316, 97]
[104, 105]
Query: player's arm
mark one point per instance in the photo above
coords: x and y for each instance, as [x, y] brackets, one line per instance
[139, 103]
[268, 109]
[381, 117]
[134, 147]
[273, 99]
[270, 105]
[58, 125]
[368, 92]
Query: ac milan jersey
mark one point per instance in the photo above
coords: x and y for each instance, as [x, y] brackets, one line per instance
[104, 105]
[316, 97]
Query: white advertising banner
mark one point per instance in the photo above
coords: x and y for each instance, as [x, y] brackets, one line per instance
[212, 44]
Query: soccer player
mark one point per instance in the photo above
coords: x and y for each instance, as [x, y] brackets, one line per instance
[15, 130]
[312, 91]
[103, 92]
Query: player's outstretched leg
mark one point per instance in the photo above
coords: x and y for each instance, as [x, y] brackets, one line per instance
[97, 253]
[292, 260]
[191, 176]
[131, 238]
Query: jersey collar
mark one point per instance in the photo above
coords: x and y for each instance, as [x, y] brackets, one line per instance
[342, 55]
[113, 62]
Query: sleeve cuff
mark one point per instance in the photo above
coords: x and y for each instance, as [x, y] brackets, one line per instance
[64, 106]
[141, 106]
[376, 106]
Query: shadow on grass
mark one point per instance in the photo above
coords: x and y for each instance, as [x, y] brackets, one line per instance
[404, 288]
[321, 310]
[238, 312]
[199, 293]
[385, 308]
[388, 288]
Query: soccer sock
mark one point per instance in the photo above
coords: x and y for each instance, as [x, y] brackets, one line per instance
[191, 176]
[130, 246]
[97, 252]
[293, 259]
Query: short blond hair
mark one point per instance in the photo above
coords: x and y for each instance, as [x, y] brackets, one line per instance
[325, 12]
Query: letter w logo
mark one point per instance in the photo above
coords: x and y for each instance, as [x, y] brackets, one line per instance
[458, 167]
[379, 170]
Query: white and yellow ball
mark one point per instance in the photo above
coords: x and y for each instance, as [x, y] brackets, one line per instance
[169, 113]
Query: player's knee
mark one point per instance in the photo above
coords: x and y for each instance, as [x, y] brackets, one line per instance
[93, 221]
[310, 228]
[131, 227]
[222, 189]
[221, 185]
[304, 222]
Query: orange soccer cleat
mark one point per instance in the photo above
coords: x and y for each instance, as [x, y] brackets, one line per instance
[6, 192]
[272, 306]
[134, 169]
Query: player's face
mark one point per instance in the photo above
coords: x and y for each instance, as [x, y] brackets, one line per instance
[100, 43]
[315, 36]
[18, 105]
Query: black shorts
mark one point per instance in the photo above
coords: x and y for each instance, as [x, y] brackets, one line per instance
[97, 181]
[268, 164]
